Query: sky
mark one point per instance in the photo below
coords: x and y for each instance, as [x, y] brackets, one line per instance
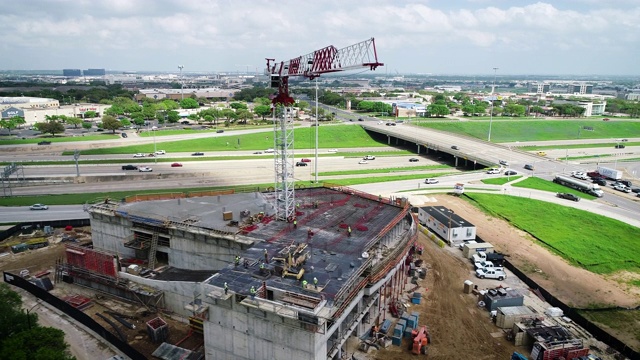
[440, 37]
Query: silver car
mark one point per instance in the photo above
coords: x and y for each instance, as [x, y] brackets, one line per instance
[38, 207]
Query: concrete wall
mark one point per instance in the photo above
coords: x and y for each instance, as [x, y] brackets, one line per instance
[177, 294]
[108, 233]
[236, 331]
[200, 252]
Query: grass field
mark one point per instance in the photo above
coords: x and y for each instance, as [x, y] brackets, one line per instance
[544, 185]
[385, 171]
[593, 242]
[347, 136]
[509, 131]
[500, 180]
[59, 139]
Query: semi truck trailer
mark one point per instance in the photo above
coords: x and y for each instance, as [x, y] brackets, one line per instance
[592, 189]
[610, 173]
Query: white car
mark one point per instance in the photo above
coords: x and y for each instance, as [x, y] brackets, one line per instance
[504, 162]
[145, 169]
[622, 187]
[333, 150]
[580, 175]
[38, 207]
[493, 171]
[369, 157]
[431, 181]
[160, 152]
[269, 151]
[138, 155]
[363, 162]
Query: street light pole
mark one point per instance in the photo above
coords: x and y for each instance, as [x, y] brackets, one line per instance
[492, 99]
[181, 82]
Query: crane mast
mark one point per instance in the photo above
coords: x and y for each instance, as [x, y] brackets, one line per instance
[326, 60]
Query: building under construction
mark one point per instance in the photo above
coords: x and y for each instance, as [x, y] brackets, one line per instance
[260, 288]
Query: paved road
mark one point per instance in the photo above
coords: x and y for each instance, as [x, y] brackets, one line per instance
[17, 214]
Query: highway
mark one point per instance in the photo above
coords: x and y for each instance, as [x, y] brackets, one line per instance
[18, 214]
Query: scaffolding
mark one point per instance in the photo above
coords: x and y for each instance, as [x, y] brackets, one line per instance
[284, 163]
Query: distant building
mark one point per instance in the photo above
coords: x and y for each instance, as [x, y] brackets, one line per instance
[72, 72]
[94, 72]
[178, 94]
[539, 88]
[580, 89]
[403, 109]
[633, 96]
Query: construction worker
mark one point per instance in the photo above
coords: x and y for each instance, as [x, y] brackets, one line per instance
[253, 292]
[380, 198]
[315, 282]
[349, 230]
[262, 268]
[226, 288]
[315, 204]
[266, 256]
[246, 263]
[237, 260]
[304, 284]
[295, 223]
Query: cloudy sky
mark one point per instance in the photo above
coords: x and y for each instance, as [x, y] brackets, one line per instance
[438, 36]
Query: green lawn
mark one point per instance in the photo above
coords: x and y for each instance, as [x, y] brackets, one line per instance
[346, 136]
[509, 131]
[593, 242]
[59, 139]
[577, 146]
[545, 185]
[500, 180]
[385, 171]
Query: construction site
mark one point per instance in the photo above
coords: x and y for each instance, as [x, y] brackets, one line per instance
[261, 288]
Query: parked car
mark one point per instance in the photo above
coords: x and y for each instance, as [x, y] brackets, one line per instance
[44, 143]
[414, 160]
[38, 207]
[145, 169]
[160, 152]
[124, 135]
[504, 162]
[305, 160]
[363, 162]
[184, 122]
[369, 157]
[529, 167]
[129, 167]
[301, 163]
[138, 155]
[510, 173]
[455, 147]
[197, 154]
[431, 181]
[176, 165]
[568, 196]
[619, 146]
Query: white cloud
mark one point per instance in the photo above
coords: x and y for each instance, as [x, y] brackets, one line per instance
[217, 35]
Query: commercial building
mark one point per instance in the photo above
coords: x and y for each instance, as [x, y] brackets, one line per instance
[270, 289]
[35, 110]
[71, 72]
[178, 94]
[94, 72]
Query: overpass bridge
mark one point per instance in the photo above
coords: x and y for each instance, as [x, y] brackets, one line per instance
[468, 151]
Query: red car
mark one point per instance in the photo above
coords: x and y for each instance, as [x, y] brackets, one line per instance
[605, 119]
[176, 165]
[305, 160]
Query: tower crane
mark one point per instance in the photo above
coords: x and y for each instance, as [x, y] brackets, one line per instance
[326, 60]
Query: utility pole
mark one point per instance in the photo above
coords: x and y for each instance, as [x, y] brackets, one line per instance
[492, 99]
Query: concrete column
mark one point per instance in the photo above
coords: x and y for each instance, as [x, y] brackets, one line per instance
[388, 140]
[456, 162]
[418, 148]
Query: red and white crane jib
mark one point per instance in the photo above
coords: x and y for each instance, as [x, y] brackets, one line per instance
[326, 60]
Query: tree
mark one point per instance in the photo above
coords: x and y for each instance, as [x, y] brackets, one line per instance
[238, 106]
[18, 120]
[21, 338]
[111, 123]
[262, 110]
[90, 114]
[170, 104]
[87, 125]
[262, 101]
[51, 127]
[302, 105]
[73, 121]
[7, 124]
[438, 110]
[244, 115]
[125, 122]
[173, 116]
[189, 103]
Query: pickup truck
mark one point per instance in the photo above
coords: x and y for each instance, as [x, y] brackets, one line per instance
[484, 256]
[491, 274]
[486, 265]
